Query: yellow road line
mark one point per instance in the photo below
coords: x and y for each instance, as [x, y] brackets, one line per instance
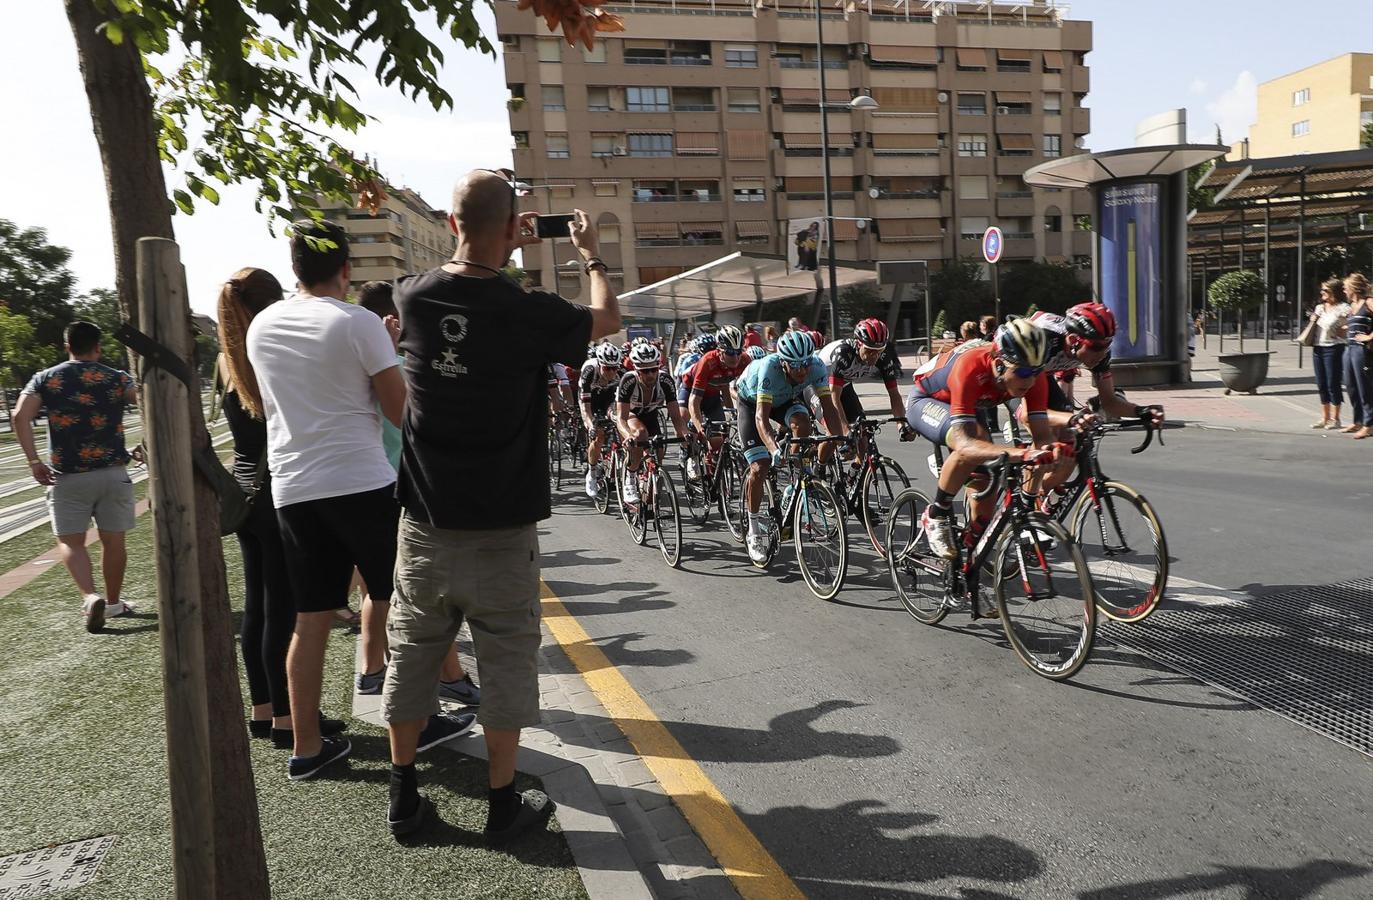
[752, 869]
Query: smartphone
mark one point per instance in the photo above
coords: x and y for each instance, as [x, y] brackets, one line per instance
[553, 226]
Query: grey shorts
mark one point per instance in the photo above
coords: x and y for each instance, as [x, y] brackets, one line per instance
[491, 579]
[103, 494]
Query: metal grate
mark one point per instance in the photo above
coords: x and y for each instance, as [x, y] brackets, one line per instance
[52, 870]
[1306, 655]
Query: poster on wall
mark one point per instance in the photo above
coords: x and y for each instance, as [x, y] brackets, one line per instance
[805, 244]
[1130, 261]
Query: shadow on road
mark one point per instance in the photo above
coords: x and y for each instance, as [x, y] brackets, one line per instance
[1292, 883]
[618, 652]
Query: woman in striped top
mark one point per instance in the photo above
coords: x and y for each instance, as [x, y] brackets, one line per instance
[1359, 328]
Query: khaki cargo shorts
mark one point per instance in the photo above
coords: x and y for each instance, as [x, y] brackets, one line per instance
[491, 579]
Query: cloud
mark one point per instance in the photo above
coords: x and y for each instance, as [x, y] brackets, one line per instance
[1197, 86]
[1234, 109]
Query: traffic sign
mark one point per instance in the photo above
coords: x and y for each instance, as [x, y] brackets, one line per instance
[992, 245]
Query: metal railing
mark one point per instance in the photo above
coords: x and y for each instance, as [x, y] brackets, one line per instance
[1014, 195]
[694, 107]
[786, 62]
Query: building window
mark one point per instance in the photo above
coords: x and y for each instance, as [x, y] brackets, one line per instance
[604, 144]
[510, 41]
[550, 50]
[1302, 128]
[1053, 145]
[1053, 104]
[972, 104]
[749, 195]
[647, 99]
[1015, 145]
[650, 144]
[646, 56]
[972, 145]
[1053, 223]
[521, 139]
[690, 53]
[608, 233]
[598, 99]
[596, 54]
[972, 187]
[741, 56]
[606, 188]
[971, 228]
[1301, 97]
[744, 100]
[558, 147]
[553, 99]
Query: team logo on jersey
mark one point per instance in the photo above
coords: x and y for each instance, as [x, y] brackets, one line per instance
[934, 415]
[453, 327]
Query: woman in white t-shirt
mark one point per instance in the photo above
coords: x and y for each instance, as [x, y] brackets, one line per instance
[1328, 351]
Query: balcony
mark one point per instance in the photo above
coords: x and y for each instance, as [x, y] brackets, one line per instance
[691, 60]
[972, 110]
[816, 152]
[1015, 109]
[909, 195]
[694, 107]
[790, 62]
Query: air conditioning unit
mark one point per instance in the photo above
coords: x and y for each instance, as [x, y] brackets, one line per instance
[1003, 110]
[619, 151]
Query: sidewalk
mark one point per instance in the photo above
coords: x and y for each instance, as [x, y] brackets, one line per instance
[1287, 403]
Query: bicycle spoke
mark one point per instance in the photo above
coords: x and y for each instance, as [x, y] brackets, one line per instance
[1046, 602]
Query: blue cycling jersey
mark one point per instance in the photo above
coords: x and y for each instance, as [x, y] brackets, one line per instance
[765, 381]
[685, 362]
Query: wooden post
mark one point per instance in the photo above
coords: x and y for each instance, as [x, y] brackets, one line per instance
[167, 439]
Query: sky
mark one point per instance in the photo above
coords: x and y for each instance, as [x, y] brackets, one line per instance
[1147, 57]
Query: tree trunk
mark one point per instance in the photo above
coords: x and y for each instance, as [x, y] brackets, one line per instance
[122, 118]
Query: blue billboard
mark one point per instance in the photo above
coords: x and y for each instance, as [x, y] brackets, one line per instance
[1130, 263]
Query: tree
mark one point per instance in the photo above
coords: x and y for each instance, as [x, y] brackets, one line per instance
[1199, 197]
[959, 291]
[35, 282]
[1238, 292]
[206, 352]
[1049, 286]
[261, 80]
[20, 356]
[858, 302]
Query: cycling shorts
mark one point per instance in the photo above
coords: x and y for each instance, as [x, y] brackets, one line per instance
[930, 418]
[713, 409]
[754, 448]
[651, 420]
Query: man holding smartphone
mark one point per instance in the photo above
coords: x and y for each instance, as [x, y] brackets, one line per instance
[473, 484]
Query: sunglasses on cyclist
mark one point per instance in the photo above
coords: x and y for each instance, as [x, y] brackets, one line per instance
[1018, 371]
[796, 367]
[1097, 346]
[731, 352]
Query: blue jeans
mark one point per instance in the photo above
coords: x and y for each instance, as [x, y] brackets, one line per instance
[1359, 384]
[1328, 362]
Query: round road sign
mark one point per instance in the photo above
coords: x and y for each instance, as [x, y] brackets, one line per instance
[992, 245]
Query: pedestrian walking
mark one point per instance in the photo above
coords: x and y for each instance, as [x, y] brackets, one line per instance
[86, 473]
[473, 485]
[269, 609]
[1328, 351]
[1358, 332]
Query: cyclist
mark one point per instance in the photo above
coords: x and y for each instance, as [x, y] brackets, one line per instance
[944, 407]
[559, 390]
[600, 376]
[757, 351]
[703, 344]
[770, 390]
[640, 396]
[868, 354]
[709, 377]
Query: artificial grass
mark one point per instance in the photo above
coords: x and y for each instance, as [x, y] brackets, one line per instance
[82, 754]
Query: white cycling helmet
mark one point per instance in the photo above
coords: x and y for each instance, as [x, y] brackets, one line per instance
[729, 339]
[607, 354]
[645, 356]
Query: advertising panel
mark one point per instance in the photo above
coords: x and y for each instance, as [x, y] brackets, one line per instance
[805, 244]
[1130, 263]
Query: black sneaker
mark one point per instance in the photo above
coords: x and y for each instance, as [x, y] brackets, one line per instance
[444, 727]
[331, 749]
[535, 810]
[260, 729]
[285, 738]
[411, 823]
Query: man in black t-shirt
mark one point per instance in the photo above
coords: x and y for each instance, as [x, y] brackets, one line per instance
[473, 482]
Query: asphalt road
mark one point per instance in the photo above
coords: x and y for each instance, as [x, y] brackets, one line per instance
[877, 757]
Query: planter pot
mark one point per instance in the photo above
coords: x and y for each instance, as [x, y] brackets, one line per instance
[1244, 371]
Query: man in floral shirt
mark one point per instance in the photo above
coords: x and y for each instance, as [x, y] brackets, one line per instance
[86, 471]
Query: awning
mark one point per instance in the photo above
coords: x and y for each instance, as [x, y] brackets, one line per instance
[803, 184]
[972, 58]
[1016, 141]
[703, 228]
[906, 141]
[1013, 97]
[845, 230]
[648, 131]
[605, 181]
[732, 282]
[704, 142]
[893, 229]
[655, 230]
[811, 96]
[747, 144]
[1053, 59]
[1013, 55]
[924, 56]
[753, 229]
[749, 183]
[895, 99]
[813, 142]
[1087, 169]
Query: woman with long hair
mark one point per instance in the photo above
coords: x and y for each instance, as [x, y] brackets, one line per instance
[269, 610]
[1328, 351]
[1359, 330]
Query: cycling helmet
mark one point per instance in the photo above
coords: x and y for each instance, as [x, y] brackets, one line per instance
[591, 351]
[872, 333]
[704, 343]
[645, 356]
[795, 347]
[816, 338]
[609, 355]
[1090, 320]
[756, 352]
[1022, 343]
[729, 338]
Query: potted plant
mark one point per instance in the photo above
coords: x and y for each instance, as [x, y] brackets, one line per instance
[1239, 292]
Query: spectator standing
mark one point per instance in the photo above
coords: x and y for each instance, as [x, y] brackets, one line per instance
[323, 366]
[795, 324]
[87, 469]
[770, 339]
[1328, 351]
[454, 683]
[1359, 331]
[968, 331]
[473, 485]
[987, 325]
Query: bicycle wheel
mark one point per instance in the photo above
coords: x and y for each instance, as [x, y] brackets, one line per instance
[821, 543]
[694, 494]
[1049, 611]
[605, 483]
[730, 493]
[667, 520]
[633, 514]
[554, 461]
[769, 503]
[918, 576]
[881, 484]
[1121, 536]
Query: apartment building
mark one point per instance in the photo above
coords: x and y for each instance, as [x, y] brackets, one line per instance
[1323, 108]
[696, 132]
[406, 235]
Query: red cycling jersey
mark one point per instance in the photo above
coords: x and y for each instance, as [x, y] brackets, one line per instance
[714, 371]
[965, 378]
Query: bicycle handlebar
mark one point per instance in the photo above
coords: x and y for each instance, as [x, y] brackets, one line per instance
[659, 441]
[996, 469]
